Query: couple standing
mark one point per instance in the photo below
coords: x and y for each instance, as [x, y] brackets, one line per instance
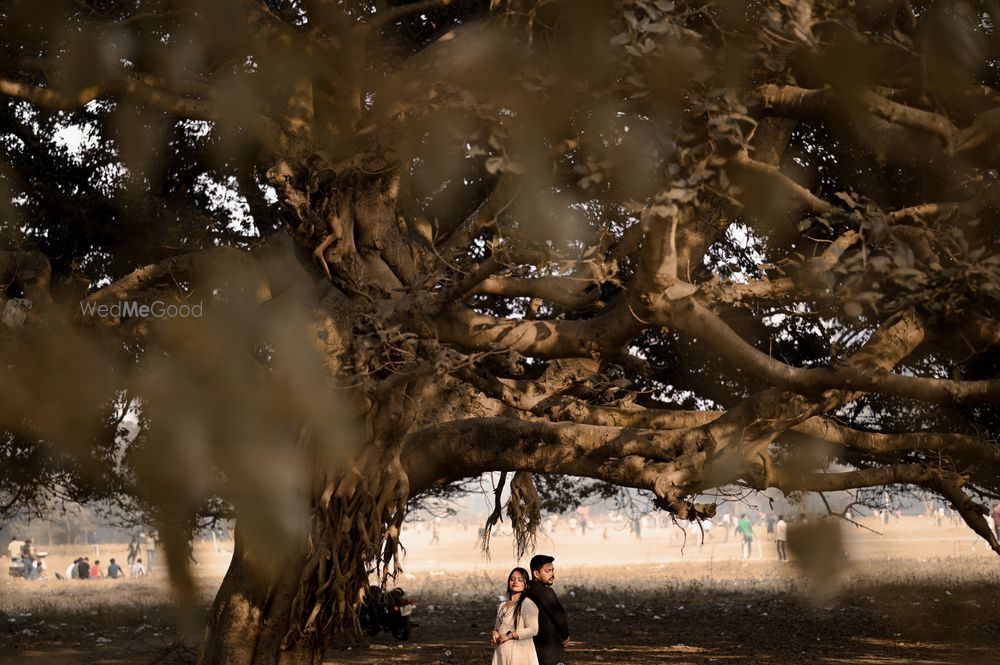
[531, 626]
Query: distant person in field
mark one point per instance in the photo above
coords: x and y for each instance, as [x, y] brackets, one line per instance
[516, 624]
[73, 570]
[583, 512]
[39, 571]
[114, 570]
[83, 569]
[95, 570]
[151, 540]
[133, 550]
[28, 556]
[33, 565]
[136, 569]
[745, 529]
[553, 628]
[14, 548]
[781, 538]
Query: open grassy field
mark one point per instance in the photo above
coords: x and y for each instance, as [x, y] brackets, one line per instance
[919, 593]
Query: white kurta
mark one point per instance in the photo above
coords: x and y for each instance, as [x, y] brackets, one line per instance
[520, 651]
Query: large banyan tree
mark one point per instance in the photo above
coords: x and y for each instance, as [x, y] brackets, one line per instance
[315, 258]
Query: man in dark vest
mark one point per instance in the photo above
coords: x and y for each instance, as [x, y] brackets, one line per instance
[553, 631]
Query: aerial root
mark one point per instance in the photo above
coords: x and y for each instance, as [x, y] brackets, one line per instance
[354, 531]
[525, 511]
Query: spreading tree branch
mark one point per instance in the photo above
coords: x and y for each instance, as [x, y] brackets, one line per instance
[794, 102]
[698, 320]
[467, 328]
[743, 163]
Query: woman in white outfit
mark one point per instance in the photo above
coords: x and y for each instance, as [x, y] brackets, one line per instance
[517, 623]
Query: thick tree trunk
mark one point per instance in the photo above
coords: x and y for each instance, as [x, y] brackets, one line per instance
[251, 616]
[281, 616]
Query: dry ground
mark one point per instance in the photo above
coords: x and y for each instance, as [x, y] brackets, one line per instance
[917, 594]
[891, 612]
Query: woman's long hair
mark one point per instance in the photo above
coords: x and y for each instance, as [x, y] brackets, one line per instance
[524, 594]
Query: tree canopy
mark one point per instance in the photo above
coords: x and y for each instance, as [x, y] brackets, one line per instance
[386, 246]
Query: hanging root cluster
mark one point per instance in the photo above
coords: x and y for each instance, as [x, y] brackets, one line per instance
[524, 507]
[525, 511]
[355, 524]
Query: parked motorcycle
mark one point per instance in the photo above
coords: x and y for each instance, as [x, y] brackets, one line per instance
[387, 610]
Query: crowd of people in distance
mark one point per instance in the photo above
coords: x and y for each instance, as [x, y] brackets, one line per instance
[83, 569]
[27, 562]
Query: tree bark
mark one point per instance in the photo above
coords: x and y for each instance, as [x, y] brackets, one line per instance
[267, 614]
[251, 616]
